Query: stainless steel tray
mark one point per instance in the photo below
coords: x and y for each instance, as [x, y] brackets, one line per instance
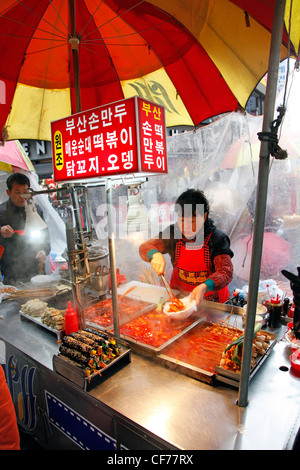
[148, 350]
[77, 376]
[38, 321]
[123, 318]
[232, 378]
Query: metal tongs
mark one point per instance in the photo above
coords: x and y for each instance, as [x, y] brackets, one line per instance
[171, 295]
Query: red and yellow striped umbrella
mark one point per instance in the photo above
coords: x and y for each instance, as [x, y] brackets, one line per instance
[198, 58]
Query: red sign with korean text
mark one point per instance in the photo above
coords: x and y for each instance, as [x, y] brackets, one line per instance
[152, 137]
[127, 136]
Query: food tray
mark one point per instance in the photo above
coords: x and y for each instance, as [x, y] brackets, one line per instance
[128, 308]
[146, 346]
[233, 378]
[197, 351]
[38, 321]
[77, 376]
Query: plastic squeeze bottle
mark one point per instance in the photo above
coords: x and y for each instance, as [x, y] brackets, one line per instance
[71, 322]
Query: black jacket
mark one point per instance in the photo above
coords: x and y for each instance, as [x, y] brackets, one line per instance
[18, 262]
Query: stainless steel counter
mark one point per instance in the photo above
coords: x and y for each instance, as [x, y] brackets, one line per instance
[182, 412]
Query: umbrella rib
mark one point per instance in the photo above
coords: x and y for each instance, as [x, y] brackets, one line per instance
[115, 17]
[124, 35]
[44, 50]
[35, 28]
[91, 18]
[30, 37]
[40, 18]
[58, 15]
[114, 44]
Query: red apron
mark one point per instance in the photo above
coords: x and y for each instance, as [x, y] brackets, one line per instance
[192, 267]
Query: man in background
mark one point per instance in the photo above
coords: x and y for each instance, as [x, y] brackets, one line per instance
[23, 257]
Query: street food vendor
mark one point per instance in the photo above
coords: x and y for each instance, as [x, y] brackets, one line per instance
[22, 255]
[200, 252]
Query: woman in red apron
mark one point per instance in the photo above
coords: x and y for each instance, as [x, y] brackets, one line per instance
[200, 252]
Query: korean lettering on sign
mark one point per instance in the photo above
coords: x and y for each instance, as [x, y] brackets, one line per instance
[104, 141]
[98, 142]
[152, 137]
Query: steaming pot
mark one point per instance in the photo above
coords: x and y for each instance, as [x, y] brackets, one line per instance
[99, 269]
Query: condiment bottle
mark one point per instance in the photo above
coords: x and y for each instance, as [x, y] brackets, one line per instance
[275, 311]
[71, 322]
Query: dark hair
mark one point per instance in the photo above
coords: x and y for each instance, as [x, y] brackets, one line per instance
[188, 201]
[18, 178]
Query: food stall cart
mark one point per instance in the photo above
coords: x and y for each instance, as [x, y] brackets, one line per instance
[146, 398]
[142, 403]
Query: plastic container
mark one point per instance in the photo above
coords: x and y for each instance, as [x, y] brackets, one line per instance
[295, 360]
[71, 322]
[190, 307]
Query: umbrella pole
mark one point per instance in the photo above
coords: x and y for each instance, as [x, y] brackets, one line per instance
[261, 199]
[74, 41]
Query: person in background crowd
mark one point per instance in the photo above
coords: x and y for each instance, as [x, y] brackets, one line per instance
[22, 256]
[200, 252]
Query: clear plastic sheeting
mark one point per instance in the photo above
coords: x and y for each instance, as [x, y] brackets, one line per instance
[222, 160]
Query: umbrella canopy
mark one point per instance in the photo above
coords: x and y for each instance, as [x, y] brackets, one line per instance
[12, 154]
[60, 57]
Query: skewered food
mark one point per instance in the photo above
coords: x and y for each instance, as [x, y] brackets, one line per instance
[202, 347]
[89, 350]
[232, 356]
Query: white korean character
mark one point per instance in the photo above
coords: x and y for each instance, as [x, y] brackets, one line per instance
[120, 111]
[98, 141]
[70, 125]
[68, 148]
[113, 159]
[148, 144]
[81, 166]
[127, 159]
[147, 128]
[81, 147]
[94, 165]
[148, 161]
[159, 147]
[74, 148]
[93, 121]
[158, 129]
[160, 163]
[81, 124]
[126, 136]
[70, 165]
[88, 144]
[106, 115]
[111, 139]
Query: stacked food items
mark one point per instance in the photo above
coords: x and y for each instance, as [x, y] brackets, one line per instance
[232, 356]
[89, 349]
[49, 316]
